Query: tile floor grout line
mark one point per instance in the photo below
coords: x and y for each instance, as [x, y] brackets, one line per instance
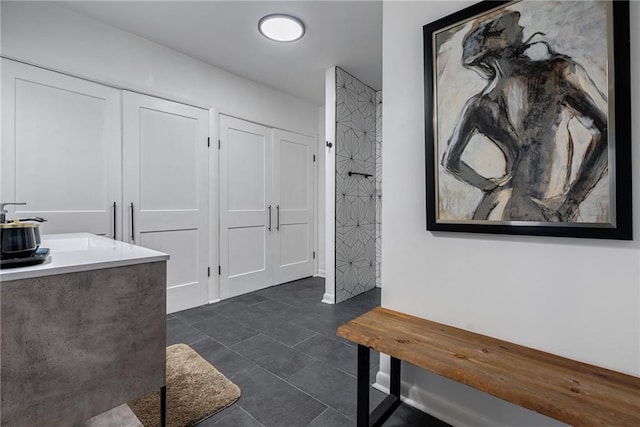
[207, 337]
[297, 388]
[315, 334]
[305, 393]
[250, 416]
[317, 399]
[320, 414]
[328, 364]
[250, 338]
[199, 320]
[306, 339]
[232, 320]
[324, 363]
[263, 333]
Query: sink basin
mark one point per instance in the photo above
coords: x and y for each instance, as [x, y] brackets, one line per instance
[75, 242]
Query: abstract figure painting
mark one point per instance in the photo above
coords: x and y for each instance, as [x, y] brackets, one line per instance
[527, 117]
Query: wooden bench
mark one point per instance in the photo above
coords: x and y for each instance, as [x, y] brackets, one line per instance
[572, 392]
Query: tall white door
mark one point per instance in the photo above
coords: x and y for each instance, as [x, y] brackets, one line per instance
[247, 213]
[266, 206]
[61, 150]
[165, 162]
[293, 195]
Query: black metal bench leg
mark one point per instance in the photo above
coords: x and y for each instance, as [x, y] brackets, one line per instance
[163, 406]
[363, 386]
[394, 380]
[388, 405]
[391, 402]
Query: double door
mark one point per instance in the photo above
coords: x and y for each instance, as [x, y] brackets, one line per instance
[266, 206]
[91, 158]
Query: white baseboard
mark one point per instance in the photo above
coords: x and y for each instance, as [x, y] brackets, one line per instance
[445, 410]
[329, 299]
[322, 273]
[215, 301]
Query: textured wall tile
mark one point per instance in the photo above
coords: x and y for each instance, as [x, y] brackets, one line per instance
[378, 175]
[357, 114]
[357, 141]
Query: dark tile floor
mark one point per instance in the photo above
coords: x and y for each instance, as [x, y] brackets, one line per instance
[279, 345]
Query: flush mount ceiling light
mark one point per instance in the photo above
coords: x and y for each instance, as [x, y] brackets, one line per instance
[281, 28]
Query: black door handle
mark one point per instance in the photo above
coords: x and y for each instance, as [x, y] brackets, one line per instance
[114, 221]
[133, 233]
[269, 217]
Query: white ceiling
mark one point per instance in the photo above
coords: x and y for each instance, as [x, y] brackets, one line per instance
[225, 34]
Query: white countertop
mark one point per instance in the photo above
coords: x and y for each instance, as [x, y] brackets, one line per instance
[74, 252]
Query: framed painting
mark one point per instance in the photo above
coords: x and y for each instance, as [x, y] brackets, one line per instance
[527, 119]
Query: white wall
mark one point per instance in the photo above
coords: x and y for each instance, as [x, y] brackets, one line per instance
[54, 37]
[573, 297]
[330, 186]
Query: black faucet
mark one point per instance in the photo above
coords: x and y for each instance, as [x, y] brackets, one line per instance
[3, 211]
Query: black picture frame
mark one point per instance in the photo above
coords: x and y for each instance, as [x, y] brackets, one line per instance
[618, 124]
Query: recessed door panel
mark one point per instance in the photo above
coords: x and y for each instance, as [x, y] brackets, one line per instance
[294, 244]
[246, 151]
[182, 247]
[294, 176]
[75, 163]
[174, 184]
[247, 251]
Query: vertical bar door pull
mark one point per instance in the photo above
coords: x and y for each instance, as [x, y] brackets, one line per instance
[269, 217]
[133, 233]
[278, 217]
[114, 221]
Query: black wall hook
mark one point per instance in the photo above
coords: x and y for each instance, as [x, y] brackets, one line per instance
[366, 175]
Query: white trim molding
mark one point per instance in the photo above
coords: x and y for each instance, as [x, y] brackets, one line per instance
[329, 298]
[444, 410]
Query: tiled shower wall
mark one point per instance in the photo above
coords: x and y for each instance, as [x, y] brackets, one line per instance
[356, 196]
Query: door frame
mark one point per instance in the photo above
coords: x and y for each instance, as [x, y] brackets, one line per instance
[214, 205]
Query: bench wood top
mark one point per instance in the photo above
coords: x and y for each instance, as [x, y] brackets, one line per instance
[567, 390]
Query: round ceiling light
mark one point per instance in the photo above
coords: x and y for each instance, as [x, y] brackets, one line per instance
[281, 28]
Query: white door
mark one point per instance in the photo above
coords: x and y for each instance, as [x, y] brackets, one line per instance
[266, 206]
[293, 195]
[247, 213]
[165, 191]
[61, 150]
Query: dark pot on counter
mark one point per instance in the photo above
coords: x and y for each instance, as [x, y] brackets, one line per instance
[19, 239]
[37, 228]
